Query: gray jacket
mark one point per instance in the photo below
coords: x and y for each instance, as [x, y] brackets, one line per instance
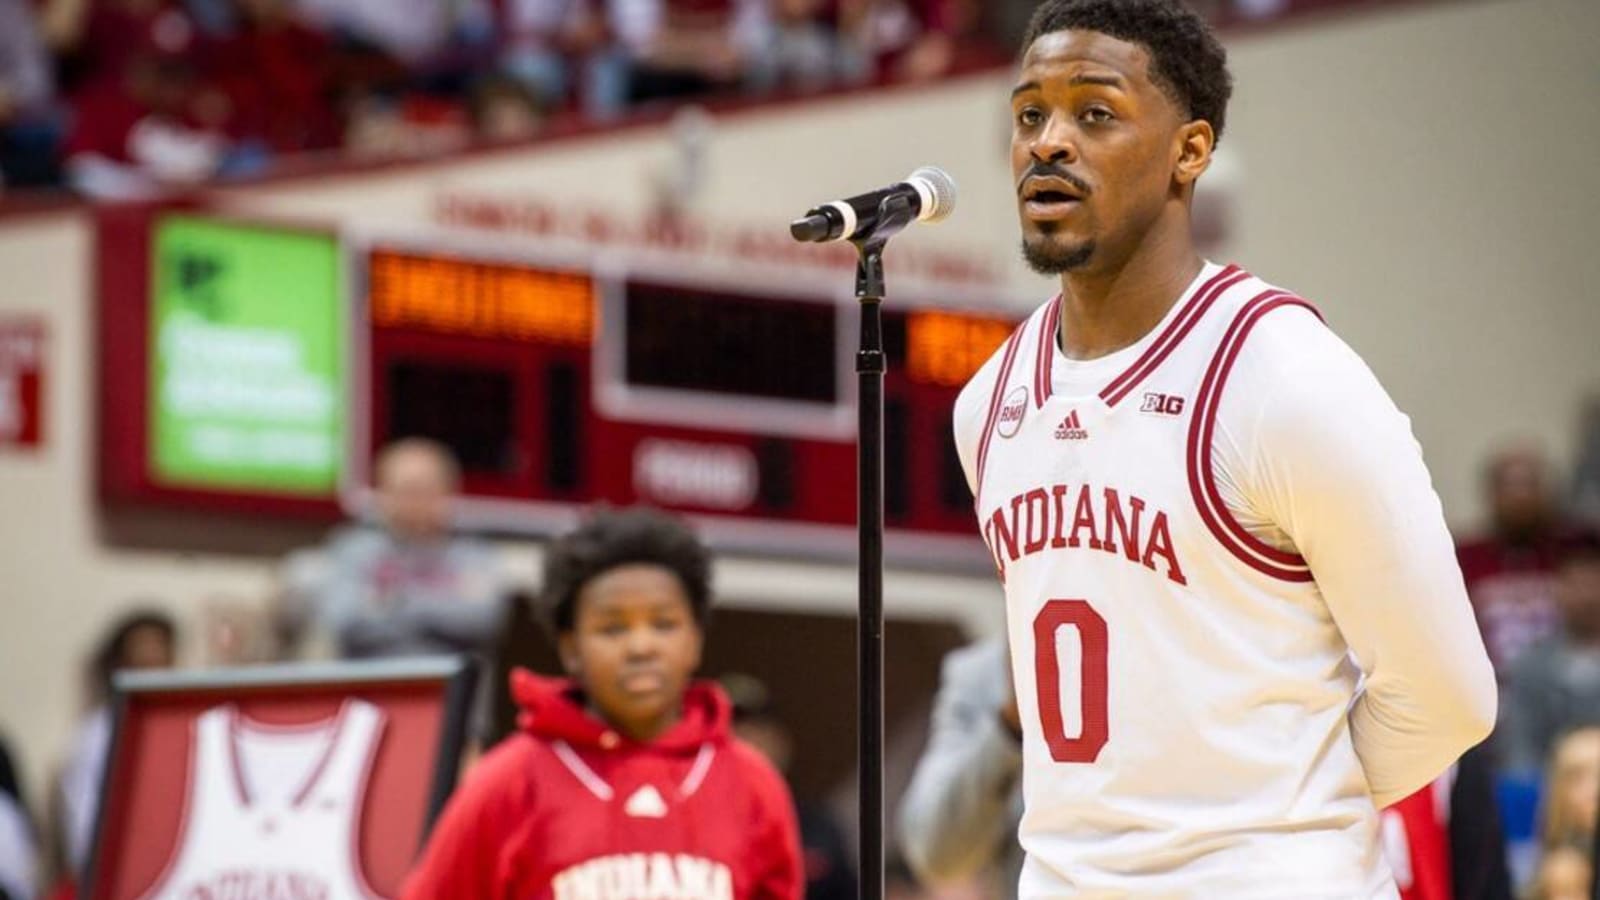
[382, 597]
[960, 813]
[1554, 687]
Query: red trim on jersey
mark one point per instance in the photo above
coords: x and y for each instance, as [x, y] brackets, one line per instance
[327, 756]
[234, 767]
[236, 723]
[374, 740]
[1047, 346]
[1202, 427]
[1176, 330]
[995, 399]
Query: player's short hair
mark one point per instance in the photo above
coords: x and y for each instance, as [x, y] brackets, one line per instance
[611, 538]
[1186, 60]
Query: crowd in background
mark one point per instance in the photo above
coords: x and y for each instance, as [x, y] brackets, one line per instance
[121, 98]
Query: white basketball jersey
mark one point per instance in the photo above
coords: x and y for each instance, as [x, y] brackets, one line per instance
[273, 812]
[1182, 686]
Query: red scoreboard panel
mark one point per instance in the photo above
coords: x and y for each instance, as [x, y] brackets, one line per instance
[253, 368]
[560, 382]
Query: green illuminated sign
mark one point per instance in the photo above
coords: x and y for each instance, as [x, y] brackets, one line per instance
[247, 356]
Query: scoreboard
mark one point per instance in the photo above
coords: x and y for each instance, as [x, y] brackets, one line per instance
[560, 377]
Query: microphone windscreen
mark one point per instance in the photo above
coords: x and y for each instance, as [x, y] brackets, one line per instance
[943, 189]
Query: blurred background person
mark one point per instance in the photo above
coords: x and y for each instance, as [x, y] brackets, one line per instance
[19, 848]
[1572, 791]
[405, 584]
[1555, 686]
[279, 77]
[958, 818]
[1510, 566]
[564, 51]
[911, 40]
[1565, 873]
[144, 639]
[680, 49]
[808, 53]
[30, 122]
[830, 875]
[413, 32]
[1569, 801]
[148, 128]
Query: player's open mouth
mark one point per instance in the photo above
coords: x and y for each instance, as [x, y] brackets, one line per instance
[1049, 198]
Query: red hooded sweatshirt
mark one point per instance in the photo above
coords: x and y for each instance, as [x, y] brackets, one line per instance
[568, 809]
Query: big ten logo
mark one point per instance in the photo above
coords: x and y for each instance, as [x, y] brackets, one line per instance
[680, 473]
[1009, 421]
[1163, 404]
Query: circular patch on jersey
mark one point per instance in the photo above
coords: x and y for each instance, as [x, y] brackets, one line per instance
[1011, 412]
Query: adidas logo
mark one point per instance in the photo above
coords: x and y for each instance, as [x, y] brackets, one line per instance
[1070, 429]
[646, 803]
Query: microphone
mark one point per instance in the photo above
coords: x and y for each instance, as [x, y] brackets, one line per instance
[930, 192]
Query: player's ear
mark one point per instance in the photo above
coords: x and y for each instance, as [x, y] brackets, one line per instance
[567, 649]
[1192, 150]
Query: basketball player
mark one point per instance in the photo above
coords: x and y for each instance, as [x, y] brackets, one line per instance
[625, 781]
[1212, 524]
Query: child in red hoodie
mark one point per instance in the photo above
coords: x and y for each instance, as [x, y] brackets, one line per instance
[624, 782]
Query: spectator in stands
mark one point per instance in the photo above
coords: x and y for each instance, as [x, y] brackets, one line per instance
[405, 585]
[555, 48]
[1555, 686]
[1565, 873]
[101, 40]
[153, 129]
[959, 815]
[278, 75]
[914, 40]
[414, 32]
[1572, 791]
[807, 53]
[144, 639]
[503, 109]
[30, 127]
[688, 48]
[1510, 570]
[830, 875]
[18, 851]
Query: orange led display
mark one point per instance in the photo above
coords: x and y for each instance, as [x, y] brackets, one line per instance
[455, 296]
[948, 348]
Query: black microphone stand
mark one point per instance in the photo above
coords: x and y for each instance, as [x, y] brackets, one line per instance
[894, 214]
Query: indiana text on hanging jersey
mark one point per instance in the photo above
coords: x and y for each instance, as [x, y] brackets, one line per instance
[1208, 541]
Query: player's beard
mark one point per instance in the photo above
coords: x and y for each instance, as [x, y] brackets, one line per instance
[1047, 257]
